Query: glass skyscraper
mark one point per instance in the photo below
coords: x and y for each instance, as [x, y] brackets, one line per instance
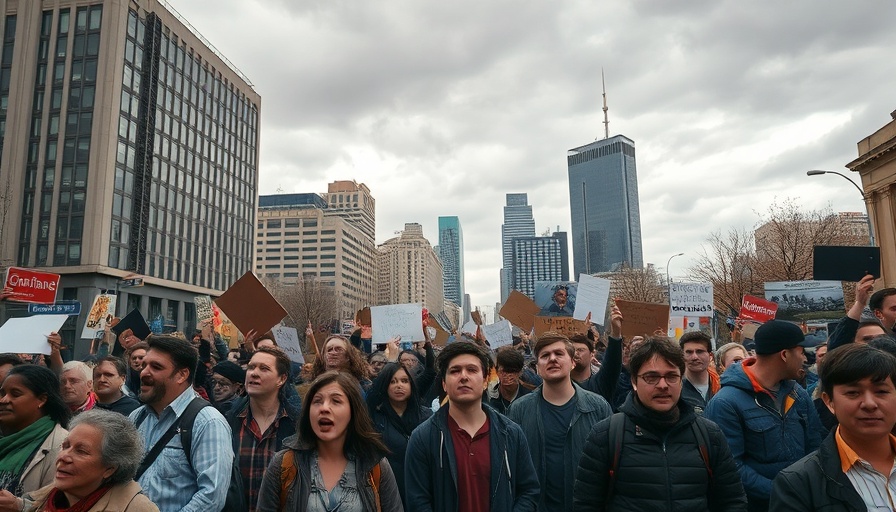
[603, 201]
[518, 221]
[451, 251]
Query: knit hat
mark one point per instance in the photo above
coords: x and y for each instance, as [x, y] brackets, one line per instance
[777, 335]
[230, 371]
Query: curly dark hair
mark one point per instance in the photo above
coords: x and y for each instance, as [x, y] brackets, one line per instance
[361, 440]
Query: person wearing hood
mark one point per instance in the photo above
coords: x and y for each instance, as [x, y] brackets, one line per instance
[768, 419]
[657, 453]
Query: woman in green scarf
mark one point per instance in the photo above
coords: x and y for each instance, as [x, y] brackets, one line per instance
[33, 418]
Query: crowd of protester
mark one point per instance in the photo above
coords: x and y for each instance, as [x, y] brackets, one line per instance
[785, 421]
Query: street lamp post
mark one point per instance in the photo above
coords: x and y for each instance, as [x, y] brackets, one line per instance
[816, 172]
[669, 277]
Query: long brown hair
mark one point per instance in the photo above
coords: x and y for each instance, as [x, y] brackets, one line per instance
[357, 364]
[361, 439]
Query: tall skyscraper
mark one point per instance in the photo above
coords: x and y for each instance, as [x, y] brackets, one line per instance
[299, 240]
[131, 147]
[451, 252]
[536, 258]
[353, 201]
[409, 272]
[603, 200]
[518, 221]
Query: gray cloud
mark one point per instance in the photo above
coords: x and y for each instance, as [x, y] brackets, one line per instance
[444, 108]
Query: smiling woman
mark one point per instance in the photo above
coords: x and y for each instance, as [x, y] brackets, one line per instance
[95, 468]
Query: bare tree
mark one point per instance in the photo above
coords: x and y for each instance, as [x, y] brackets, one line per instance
[727, 261]
[638, 284]
[308, 300]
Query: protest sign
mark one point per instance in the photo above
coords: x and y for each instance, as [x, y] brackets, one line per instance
[845, 263]
[468, 328]
[204, 312]
[363, 316]
[498, 334]
[565, 325]
[520, 310]
[591, 297]
[31, 286]
[760, 310]
[476, 316]
[749, 330]
[249, 305]
[28, 335]
[691, 299]
[801, 300]
[101, 312]
[642, 318]
[556, 298]
[403, 320]
[287, 339]
[135, 322]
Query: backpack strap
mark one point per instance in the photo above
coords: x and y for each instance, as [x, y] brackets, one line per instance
[182, 424]
[186, 421]
[374, 478]
[288, 473]
[702, 437]
[616, 434]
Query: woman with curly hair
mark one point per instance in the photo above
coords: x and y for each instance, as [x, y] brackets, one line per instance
[338, 354]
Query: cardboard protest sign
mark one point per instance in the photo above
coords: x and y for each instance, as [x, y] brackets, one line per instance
[204, 312]
[444, 322]
[520, 310]
[101, 312]
[691, 299]
[565, 325]
[403, 320]
[287, 338]
[749, 330]
[249, 305]
[28, 335]
[642, 318]
[591, 297]
[477, 317]
[468, 328]
[759, 310]
[31, 286]
[845, 263]
[363, 316]
[136, 323]
[437, 331]
[498, 334]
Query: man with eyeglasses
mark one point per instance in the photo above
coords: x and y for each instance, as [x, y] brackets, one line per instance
[227, 384]
[700, 382]
[656, 453]
[769, 420]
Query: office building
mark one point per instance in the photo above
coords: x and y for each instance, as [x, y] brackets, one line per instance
[518, 222]
[130, 146]
[352, 201]
[298, 240]
[409, 272]
[451, 252]
[603, 201]
[536, 258]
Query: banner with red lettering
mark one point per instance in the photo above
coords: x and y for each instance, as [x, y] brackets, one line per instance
[758, 310]
[31, 286]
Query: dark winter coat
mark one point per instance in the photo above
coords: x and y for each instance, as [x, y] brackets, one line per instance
[396, 432]
[431, 468]
[659, 468]
[815, 482]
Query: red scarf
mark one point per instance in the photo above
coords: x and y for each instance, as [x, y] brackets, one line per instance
[88, 405]
[57, 500]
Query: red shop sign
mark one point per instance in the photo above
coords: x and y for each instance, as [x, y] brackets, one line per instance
[31, 286]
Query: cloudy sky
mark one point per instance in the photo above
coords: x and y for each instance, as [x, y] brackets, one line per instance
[442, 108]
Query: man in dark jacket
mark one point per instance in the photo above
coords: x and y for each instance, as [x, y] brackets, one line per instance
[852, 469]
[557, 418]
[604, 382]
[509, 366]
[656, 453]
[467, 457]
[699, 383]
[769, 420]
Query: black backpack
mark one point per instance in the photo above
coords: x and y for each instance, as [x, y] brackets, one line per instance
[236, 494]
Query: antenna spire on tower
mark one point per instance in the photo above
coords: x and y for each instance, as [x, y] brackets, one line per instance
[606, 120]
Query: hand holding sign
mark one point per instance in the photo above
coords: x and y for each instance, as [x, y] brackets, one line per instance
[616, 322]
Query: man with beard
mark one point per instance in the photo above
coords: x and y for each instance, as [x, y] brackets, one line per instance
[699, 383]
[166, 389]
[108, 379]
[556, 419]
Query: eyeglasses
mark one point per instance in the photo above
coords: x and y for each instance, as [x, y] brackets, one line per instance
[654, 378]
[221, 384]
